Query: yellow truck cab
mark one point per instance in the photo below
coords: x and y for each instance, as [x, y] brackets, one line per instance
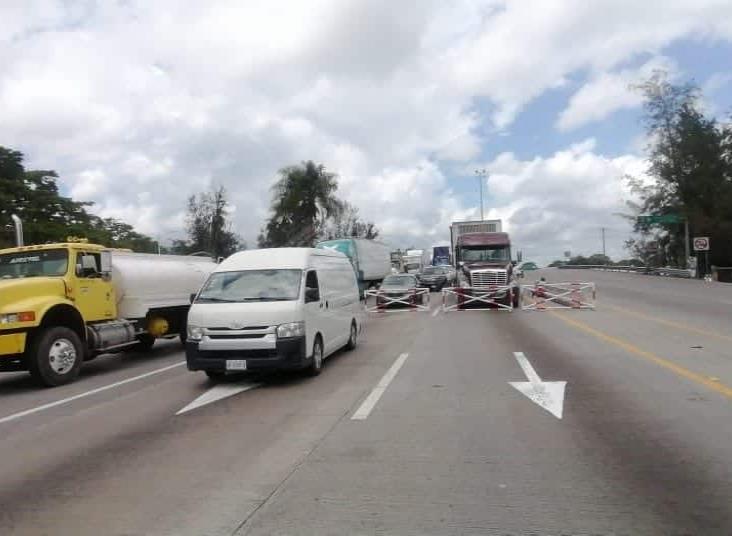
[62, 304]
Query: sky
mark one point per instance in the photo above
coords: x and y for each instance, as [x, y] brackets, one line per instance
[137, 105]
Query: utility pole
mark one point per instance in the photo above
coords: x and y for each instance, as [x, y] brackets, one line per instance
[603, 242]
[482, 174]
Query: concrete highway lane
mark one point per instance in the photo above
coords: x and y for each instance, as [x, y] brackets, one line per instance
[418, 431]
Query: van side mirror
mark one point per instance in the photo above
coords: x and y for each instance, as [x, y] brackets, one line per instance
[312, 295]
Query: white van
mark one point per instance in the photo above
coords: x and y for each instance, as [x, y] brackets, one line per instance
[268, 309]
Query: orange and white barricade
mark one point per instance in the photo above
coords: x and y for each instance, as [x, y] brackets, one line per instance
[493, 298]
[567, 295]
[398, 300]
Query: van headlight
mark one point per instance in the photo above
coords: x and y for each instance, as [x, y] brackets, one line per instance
[292, 329]
[195, 333]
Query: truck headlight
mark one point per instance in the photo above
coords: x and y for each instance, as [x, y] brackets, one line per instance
[195, 333]
[293, 329]
[12, 318]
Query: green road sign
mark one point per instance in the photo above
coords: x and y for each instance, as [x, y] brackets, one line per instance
[660, 218]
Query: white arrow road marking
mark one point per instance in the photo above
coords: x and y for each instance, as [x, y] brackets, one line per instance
[217, 393]
[548, 395]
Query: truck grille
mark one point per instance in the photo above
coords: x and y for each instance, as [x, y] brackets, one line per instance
[489, 278]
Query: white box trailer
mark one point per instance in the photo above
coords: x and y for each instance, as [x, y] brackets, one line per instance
[371, 260]
[414, 261]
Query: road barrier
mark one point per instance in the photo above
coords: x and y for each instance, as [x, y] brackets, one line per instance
[398, 300]
[567, 295]
[482, 299]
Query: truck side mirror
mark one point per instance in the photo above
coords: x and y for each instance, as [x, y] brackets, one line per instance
[513, 263]
[192, 297]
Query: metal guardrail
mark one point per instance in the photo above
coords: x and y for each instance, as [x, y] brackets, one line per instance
[666, 271]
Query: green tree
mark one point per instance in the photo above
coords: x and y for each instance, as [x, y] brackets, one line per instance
[346, 222]
[208, 226]
[50, 217]
[691, 166]
[303, 200]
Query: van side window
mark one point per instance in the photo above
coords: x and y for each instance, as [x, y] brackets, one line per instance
[311, 280]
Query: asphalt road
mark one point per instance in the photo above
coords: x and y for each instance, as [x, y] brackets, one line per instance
[417, 431]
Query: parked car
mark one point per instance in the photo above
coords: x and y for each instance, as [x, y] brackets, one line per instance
[435, 277]
[451, 273]
[403, 287]
[266, 309]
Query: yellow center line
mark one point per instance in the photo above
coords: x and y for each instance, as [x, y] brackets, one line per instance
[670, 323]
[683, 372]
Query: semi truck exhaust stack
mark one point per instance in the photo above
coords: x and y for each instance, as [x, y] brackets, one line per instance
[18, 230]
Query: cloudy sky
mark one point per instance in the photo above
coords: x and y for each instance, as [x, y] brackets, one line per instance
[139, 104]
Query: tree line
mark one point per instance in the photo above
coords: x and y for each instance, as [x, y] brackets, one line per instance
[49, 216]
[598, 259]
[690, 156]
[304, 209]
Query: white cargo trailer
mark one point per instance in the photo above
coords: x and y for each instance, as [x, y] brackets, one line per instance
[371, 260]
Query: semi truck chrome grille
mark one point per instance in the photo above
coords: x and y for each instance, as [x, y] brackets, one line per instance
[493, 278]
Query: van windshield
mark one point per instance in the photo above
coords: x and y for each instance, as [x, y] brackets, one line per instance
[251, 285]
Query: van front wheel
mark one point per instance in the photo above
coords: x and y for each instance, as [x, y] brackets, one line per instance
[316, 364]
[353, 339]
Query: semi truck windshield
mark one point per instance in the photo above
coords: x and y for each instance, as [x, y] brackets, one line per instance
[43, 263]
[483, 254]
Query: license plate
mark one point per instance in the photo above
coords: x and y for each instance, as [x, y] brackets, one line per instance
[236, 364]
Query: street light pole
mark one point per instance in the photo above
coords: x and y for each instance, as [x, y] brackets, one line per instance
[481, 174]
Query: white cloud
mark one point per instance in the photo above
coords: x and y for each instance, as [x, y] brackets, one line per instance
[606, 93]
[560, 202]
[140, 104]
[526, 47]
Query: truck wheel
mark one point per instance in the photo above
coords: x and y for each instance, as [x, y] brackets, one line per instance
[55, 356]
[145, 342]
[353, 339]
[316, 366]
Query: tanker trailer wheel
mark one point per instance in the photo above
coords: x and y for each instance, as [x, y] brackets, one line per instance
[145, 342]
[55, 356]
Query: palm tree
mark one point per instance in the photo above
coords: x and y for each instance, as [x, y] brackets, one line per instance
[303, 199]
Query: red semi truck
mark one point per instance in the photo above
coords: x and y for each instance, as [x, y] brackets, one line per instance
[483, 263]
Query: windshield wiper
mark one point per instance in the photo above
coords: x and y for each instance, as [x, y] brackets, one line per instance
[221, 300]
